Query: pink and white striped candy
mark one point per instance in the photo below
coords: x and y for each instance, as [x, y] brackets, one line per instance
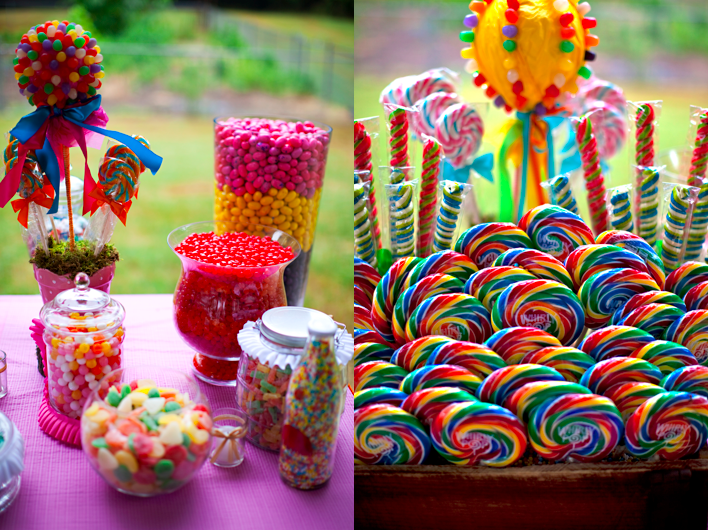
[430, 109]
[406, 91]
[459, 130]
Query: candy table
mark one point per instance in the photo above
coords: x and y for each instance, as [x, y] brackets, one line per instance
[61, 490]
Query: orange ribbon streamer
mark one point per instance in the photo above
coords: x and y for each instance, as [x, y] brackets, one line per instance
[43, 197]
[119, 209]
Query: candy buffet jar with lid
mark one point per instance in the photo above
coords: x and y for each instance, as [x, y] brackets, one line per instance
[83, 334]
[12, 455]
[213, 302]
[272, 349]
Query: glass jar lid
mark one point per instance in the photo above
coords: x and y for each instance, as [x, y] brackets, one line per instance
[287, 326]
[82, 310]
[12, 450]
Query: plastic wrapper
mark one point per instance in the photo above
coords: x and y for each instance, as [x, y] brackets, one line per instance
[647, 183]
[401, 210]
[695, 160]
[619, 206]
[401, 149]
[678, 202]
[592, 173]
[451, 195]
[35, 235]
[644, 132]
[561, 193]
[364, 245]
[367, 152]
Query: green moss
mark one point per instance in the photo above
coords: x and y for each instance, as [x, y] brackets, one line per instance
[64, 262]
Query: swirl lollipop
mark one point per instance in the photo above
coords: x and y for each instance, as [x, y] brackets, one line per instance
[487, 284]
[665, 355]
[571, 363]
[686, 276]
[691, 330]
[693, 379]
[583, 427]
[458, 316]
[415, 354]
[617, 370]
[697, 297]
[440, 375]
[33, 192]
[478, 359]
[430, 108]
[371, 351]
[362, 318]
[642, 299]
[540, 264]
[614, 341]
[554, 230]
[670, 425]
[366, 277]
[378, 373]
[443, 262]
[362, 336]
[587, 260]
[605, 292]
[543, 304]
[524, 401]
[513, 343]
[502, 383]
[628, 396]
[386, 295]
[485, 242]
[388, 435]
[638, 246]
[610, 125]
[474, 432]
[406, 91]
[427, 403]
[379, 394]
[459, 130]
[653, 318]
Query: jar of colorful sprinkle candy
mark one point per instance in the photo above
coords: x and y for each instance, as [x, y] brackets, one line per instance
[57, 224]
[272, 349]
[228, 279]
[270, 171]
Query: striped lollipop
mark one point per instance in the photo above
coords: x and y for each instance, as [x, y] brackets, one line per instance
[485, 242]
[408, 90]
[443, 262]
[697, 297]
[366, 277]
[555, 230]
[476, 358]
[617, 370]
[638, 246]
[513, 343]
[430, 108]
[415, 354]
[693, 379]
[653, 318]
[427, 403]
[119, 172]
[628, 396]
[440, 375]
[502, 383]
[667, 356]
[570, 362]
[458, 316]
[487, 284]
[362, 318]
[371, 351]
[614, 341]
[459, 130]
[587, 260]
[378, 373]
[691, 330]
[642, 299]
[526, 399]
[379, 394]
[540, 264]
[386, 294]
[686, 276]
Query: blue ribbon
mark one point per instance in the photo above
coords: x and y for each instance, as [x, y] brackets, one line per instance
[525, 118]
[571, 160]
[483, 165]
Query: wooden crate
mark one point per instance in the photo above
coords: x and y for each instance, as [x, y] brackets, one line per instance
[670, 495]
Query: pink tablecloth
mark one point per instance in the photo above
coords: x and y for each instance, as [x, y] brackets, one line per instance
[61, 490]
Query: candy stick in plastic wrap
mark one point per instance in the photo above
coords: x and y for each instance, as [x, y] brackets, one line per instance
[562, 194]
[648, 203]
[448, 213]
[696, 177]
[432, 156]
[362, 162]
[699, 224]
[33, 193]
[674, 226]
[644, 146]
[398, 143]
[699, 160]
[401, 215]
[594, 181]
[363, 240]
[621, 218]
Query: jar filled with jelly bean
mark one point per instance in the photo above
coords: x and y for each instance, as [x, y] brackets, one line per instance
[270, 171]
[272, 349]
[83, 333]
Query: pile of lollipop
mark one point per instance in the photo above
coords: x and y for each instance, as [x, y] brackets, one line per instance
[481, 351]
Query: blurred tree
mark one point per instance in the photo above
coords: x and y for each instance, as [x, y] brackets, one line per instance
[112, 17]
[336, 8]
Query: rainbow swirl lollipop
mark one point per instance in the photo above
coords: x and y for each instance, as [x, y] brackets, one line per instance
[555, 230]
[371, 351]
[478, 433]
[458, 316]
[415, 294]
[378, 373]
[585, 427]
[588, 260]
[366, 278]
[524, 401]
[693, 379]
[502, 383]
[118, 178]
[671, 425]
[426, 404]
[666, 356]
[362, 318]
[440, 375]
[540, 264]
[617, 370]
[443, 262]
[642, 299]
[614, 341]
[638, 246]
[485, 242]
[570, 362]
[362, 336]
[628, 396]
[31, 178]
[691, 330]
[512, 344]
[379, 394]
[543, 304]
[388, 435]
[478, 359]
[605, 292]
[386, 295]
[697, 297]
[414, 355]
[653, 318]
[361, 298]
[686, 276]
[487, 284]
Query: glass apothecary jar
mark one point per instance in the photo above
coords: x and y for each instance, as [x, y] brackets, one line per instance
[12, 456]
[271, 348]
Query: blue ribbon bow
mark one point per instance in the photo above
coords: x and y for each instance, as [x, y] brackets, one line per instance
[483, 165]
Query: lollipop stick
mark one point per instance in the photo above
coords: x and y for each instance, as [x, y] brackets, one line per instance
[67, 180]
[34, 211]
[54, 228]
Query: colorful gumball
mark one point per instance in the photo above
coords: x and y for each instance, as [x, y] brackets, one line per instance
[691, 330]
[501, 384]
[415, 354]
[427, 403]
[386, 295]
[605, 292]
[686, 276]
[524, 401]
[638, 246]
[478, 433]
[543, 304]
[618, 370]
[693, 379]
[476, 358]
[587, 260]
[584, 427]
[666, 356]
[388, 435]
[671, 425]
[614, 341]
[378, 373]
[379, 394]
[642, 299]
[362, 318]
[458, 316]
[366, 277]
[485, 242]
[440, 375]
[697, 297]
[540, 264]
[513, 343]
[555, 230]
[570, 362]
[371, 351]
[443, 262]
[487, 284]
[459, 129]
[628, 396]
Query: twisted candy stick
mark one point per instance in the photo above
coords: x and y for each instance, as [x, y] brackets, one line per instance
[440, 375]
[699, 225]
[587, 260]
[386, 294]
[485, 242]
[621, 212]
[363, 241]
[617, 370]
[362, 148]
[540, 264]
[699, 159]
[642, 299]
[514, 343]
[443, 262]
[487, 284]
[427, 403]
[501, 384]
[459, 130]
[385, 434]
[398, 143]
[476, 358]
[609, 124]
[458, 316]
[570, 362]
[584, 427]
[671, 425]
[432, 155]
[697, 297]
[628, 396]
[379, 394]
[693, 379]
[430, 109]
[402, 219]
[524, 400]
[686, 276]
[378, 373]
[448, 214]
[562, 194]
[371, 351]
[644, 146]
[667, 356]
[674, 227]
[691, 330]
[415, 354]
[594, 181]
[614, 341]
[555, 230]
[648, 204]
[653, 318]
[474, 432]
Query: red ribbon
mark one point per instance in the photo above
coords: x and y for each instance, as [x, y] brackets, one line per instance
[43, 197]
[119, 209]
